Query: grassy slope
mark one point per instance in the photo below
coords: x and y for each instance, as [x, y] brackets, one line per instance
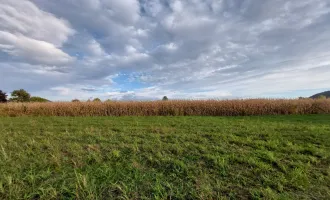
[276, 157]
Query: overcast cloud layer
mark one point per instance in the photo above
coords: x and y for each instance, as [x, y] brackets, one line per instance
[145, 49]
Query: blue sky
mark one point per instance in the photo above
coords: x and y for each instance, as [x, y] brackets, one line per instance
[145, 49]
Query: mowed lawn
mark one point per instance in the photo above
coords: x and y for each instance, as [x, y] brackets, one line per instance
[268, 157]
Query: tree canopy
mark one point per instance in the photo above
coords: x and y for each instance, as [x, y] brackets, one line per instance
[3, 97]
[20, 96]
[96, 100]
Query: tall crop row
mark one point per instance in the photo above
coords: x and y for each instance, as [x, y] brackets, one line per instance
[169, 108]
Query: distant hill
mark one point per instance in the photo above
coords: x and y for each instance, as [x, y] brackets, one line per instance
[326, 93]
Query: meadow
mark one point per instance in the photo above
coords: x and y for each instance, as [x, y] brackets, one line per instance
[164, 157]
[170, 108]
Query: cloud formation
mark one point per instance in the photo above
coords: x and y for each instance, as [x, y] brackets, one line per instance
[145, 49]
[28, 34]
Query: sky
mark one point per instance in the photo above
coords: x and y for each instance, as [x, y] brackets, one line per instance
[146, 49]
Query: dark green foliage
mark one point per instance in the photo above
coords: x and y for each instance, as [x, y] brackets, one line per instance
[278, 157]
[75, 100]
[38, 99]
[3, 97]
[165, 98]
[20, 96]
[323, 95]
[96, 100]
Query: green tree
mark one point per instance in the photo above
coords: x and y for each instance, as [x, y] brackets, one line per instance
[75, 100]
[38, 99]
[3, 97]
[96, 100]
[165, 98]
[20, 96]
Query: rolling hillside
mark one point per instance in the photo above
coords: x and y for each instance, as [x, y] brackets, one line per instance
[326, 93]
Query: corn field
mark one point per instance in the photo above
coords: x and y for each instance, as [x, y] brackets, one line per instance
[170, 108]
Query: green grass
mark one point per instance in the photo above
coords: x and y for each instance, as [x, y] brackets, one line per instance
[277, 157]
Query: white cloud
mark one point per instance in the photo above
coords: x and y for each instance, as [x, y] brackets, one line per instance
[182, 49]
[30, 34]
[27, 19]
[62, 90]
[156, 93]
[95, 48]
[32, 50]
[127, 11]
[171, 46]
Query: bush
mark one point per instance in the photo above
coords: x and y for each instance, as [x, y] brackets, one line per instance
[38, 99]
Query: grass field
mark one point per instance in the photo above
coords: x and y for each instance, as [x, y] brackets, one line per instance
[271, 157]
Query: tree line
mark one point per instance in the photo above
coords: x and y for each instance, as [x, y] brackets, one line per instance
[20, 96]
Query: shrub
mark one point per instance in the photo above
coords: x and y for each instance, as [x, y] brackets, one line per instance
[38, 99]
